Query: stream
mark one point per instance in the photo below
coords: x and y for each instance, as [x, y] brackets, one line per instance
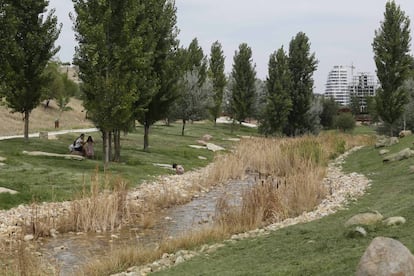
[70, 251]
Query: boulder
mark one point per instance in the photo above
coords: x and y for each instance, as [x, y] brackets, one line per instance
[364, 219]
[384, 151]
[386, 141]
[403, 154]
[391, 221]
[404, 133]
[207, 137]
[386, 256]
[214, 147]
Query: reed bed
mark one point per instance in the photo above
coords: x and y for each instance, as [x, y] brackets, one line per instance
[289, 182]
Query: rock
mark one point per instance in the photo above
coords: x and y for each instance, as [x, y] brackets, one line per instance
[28, 237]
[179, 260]
[2, 159]
[5, 190]
[386, 141]
[207, 137]
[384, 151]
[357, 232]
[202, 142]
[403, 154]
[214, 147]
[404, 133]
[364, 219]
[391, 221]
[385, 256]
[202, 157]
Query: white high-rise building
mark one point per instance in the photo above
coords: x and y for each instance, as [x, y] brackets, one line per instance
[337, 85]
[363, 85]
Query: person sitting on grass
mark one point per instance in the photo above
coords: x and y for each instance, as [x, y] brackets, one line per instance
[178, 168]
[78, 145]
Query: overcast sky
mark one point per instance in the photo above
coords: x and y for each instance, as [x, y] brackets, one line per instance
[340, 32]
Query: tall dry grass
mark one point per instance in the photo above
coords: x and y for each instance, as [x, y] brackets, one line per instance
[101, 208]
[20, 260]
[290, 177]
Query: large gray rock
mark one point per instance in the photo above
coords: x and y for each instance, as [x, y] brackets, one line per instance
[404, 154]
[385, 257]
[386, 141]
[364, 219]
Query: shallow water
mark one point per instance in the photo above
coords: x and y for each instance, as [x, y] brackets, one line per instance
[70, 251]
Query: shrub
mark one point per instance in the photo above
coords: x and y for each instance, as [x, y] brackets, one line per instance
[345, 122]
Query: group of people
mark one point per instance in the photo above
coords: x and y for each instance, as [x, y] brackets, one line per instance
[86, 148]
[82, 147]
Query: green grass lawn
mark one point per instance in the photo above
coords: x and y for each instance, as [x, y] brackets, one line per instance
[322, 247]
[40, 178]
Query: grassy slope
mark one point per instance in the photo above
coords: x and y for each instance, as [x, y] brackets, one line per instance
[322, 247]
[44, 118]
[54, 178]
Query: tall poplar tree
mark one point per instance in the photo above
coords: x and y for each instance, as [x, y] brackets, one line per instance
[192, 101]
[27, 38]
[302, 65]
[243, 89]
[112, 61]
[278, 88]
[391, 54]
[218, 78]
[165, 63]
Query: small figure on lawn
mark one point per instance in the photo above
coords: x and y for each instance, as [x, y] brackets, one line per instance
[178, 168]
[88, 147]
[77, 147]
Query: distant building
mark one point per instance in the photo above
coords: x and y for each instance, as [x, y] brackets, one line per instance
[337, 84]
[363, 85]
[342, 84]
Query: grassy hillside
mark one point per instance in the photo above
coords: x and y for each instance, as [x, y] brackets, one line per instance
[323, 247]
[43, 178]
[43, 118]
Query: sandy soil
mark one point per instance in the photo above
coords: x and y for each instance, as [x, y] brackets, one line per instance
[43, 118]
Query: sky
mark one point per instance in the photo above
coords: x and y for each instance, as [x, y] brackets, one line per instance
[339, 32]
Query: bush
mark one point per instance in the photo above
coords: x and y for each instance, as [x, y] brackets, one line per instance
[345, 122]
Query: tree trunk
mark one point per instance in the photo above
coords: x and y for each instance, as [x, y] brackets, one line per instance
[26, 125]
[117, 145]
[146, 134]
[105, 145]
[110, 145]
[182, 130]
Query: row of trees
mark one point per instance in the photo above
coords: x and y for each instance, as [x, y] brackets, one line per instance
[133, 68]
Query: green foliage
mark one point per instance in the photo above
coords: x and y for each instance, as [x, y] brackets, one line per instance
[166, 63]
[329, 111]
[278, 102]
[243, 90]
[193, 100]
[27, 37]
[59, 87]
[302, 64]
[218, 78]
[345, 122]
[354, 105]
[391, 47]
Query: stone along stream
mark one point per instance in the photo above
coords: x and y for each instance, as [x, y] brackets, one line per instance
[70, 251]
